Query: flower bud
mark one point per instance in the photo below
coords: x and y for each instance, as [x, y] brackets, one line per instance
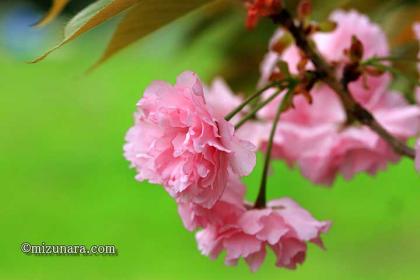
[260, 8]
[304, 9]
[356, 50]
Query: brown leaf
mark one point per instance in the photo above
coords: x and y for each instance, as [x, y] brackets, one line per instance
[56, 8]
[146, 17]
[93, 15]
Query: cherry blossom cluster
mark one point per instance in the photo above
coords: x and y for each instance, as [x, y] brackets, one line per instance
[182, 141]
[314, 136]
[198, 142]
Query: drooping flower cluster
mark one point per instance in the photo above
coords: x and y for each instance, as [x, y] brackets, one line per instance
[315, 137]
[180, 140]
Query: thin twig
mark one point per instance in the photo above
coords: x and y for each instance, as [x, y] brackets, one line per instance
[251, 114]
[229, 116]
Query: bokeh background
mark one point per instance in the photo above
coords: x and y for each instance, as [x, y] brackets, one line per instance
[64, 179]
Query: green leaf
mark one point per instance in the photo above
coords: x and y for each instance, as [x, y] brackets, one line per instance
[288, 100]
[56, 8]
[90, 17]
[146, 17]
[284, 68]
[327, 26]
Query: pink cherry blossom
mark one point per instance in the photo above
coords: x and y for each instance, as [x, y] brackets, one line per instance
[178, 142]
[314, 136]
[349, 23]
[332, 46]
[284, 227]
[225, 211]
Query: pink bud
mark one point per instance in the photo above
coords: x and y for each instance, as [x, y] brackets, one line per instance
[304, 9]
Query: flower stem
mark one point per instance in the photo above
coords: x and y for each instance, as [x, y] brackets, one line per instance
[251, 114]
[229, 116]
[260, 202]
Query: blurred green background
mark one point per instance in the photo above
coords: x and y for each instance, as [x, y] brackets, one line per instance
[64, 179]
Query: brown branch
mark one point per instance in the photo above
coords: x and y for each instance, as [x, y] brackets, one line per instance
[354, 110]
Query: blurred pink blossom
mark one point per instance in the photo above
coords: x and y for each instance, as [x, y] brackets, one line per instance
[284, 226]
[332, 46]
[314, 136]
[178, 141]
